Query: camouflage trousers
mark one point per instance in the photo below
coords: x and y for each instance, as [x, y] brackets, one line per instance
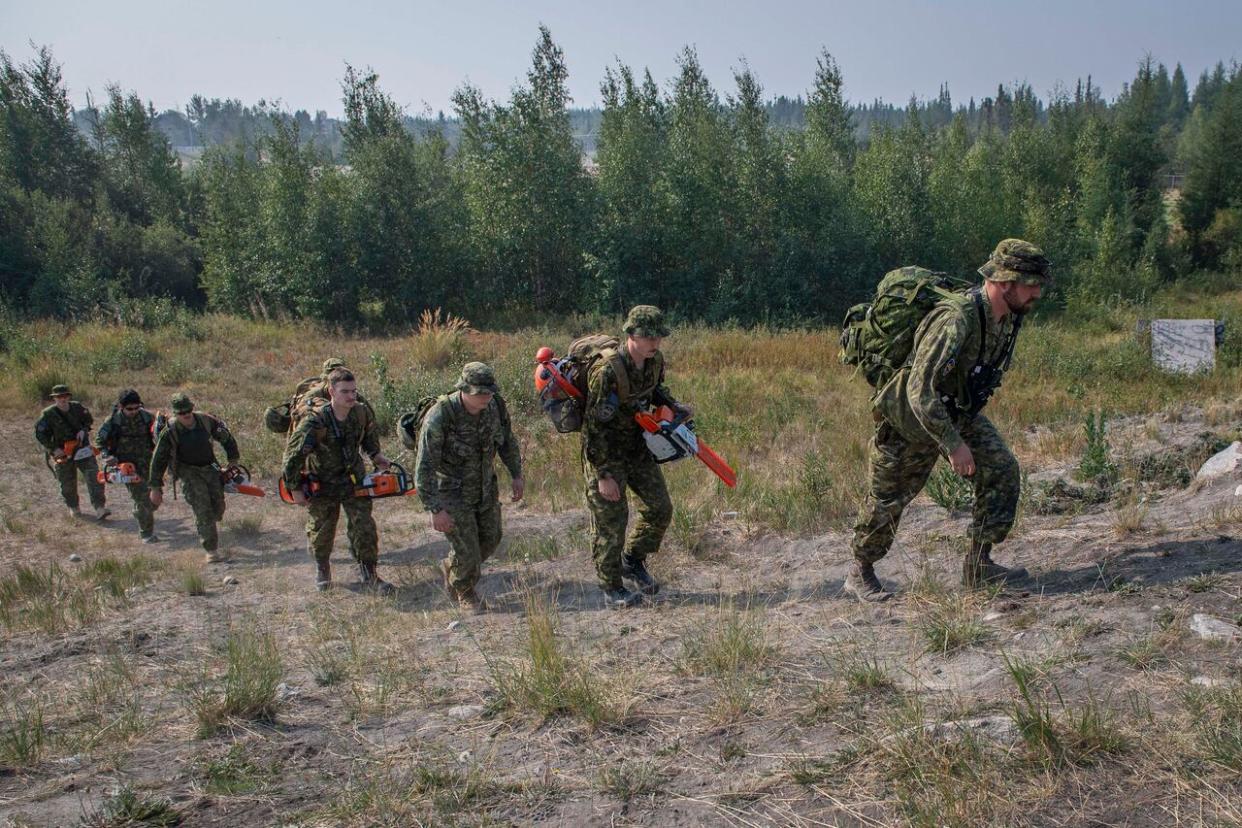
[324, 513]
[642, 476]
[144, 512]
[67, 476]
[475, 535]
[899, 469]
[203, 492]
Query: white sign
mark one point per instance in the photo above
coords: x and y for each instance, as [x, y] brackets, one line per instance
[1184, 346]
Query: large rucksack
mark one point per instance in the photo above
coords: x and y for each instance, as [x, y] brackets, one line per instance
[410, 424]
[566, 410]
[876, 337]
[280, 419]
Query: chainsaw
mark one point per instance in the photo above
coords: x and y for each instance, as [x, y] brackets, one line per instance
[123, 473]
[235, 479]
[395, 481]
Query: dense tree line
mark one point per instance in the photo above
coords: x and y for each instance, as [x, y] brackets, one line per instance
[736, 208]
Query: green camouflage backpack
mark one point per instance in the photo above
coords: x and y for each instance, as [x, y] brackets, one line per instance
[876, 337]
[410, 423]
[280, 419]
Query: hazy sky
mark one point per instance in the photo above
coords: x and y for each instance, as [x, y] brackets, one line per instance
[295, 52]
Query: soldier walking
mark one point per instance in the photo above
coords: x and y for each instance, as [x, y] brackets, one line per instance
[328, 445]
[616, 457]
[66, 422]
[125, 437]
[185, 445]
[932, 408]
[459, 439]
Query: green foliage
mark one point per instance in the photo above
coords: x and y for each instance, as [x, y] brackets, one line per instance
[950, 491]
[718, 206]
[1096, 463]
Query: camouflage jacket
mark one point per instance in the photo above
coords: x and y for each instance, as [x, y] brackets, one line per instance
[456, 453]
[949, 343]
[54, 427]
[610, 435]
[331, 450]
[128, 439]
[178, 445]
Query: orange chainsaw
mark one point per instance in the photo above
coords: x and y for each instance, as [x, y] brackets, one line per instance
[669, 435]
[123, 473]
[236, 480]
[75, 450]
[395, 481]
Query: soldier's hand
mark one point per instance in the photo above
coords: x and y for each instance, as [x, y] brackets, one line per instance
[299, 497]
[157, 497]
[519, 488]
[58, 452]
[442, 521]
[609, 490]
[381, 462]
[963, 461]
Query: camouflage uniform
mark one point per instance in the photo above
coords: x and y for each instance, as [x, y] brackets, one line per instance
[328, 449]
[193, 460]
[924, 413]
[127, 439]
[455, 472]
[613, 447]
[53, 429]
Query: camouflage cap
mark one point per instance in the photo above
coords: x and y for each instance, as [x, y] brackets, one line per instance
[181, 404]
[1015, 260]
[59, 391]
[477, 378]
[645, 320]
[331, 364]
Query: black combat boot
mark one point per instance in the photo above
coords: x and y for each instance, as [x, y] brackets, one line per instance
[323, 575]
[371, 579]
[979, 569]
[636, 570]
[862, 583]
[619, 597]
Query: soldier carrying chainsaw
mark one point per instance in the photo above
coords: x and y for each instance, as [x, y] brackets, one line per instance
[63, 429]
[126, 443]
[324, 471]
[623, 442]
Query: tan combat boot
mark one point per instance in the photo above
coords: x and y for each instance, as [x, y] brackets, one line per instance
[862, 583]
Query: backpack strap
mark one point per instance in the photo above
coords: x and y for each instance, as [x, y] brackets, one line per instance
[625, 393]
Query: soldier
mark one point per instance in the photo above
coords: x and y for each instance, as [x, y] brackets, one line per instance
[68, 421]
[456, 480]
[616, 457]
[931, 408]
[328, 444]
[125, 437]
[185, 445]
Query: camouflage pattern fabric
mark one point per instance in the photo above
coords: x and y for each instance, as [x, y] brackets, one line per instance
[645, 320]
[179, 446]
[475, 535]
[456, 453]
[642, 476]
[67, 476]
[455, 471]
[1015, 260]
[201, 487]
[53, 429]
[323, 515]
[332, 451]
[899, 470]
[613, 447]
[948, 345]
[128, 440]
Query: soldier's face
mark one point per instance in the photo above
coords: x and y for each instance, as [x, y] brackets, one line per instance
[345, 394]
[1022, 298]
[645, 347]
[186, 419]
[474, 403]
[61, 401]
[131, 411]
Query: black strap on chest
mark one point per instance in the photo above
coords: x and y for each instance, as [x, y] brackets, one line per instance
[346, 458]
[985, 378]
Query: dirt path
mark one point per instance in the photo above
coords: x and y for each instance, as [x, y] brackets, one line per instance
[394, 712]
